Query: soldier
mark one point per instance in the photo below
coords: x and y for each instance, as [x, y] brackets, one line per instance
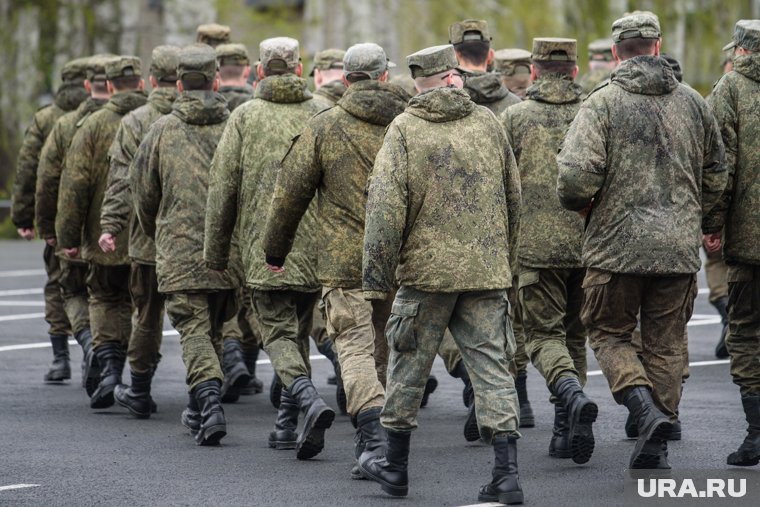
[117, 216]
[549, 254]
[328, 76]
[444, 173]
[234, 68]
[734, 100]
[73, 279]
[212, 34]
[77, 223]
[514, 67]
[600, 64]
[243, 175]
[472, 43]
[646, 185]
[69, 95]
[333, 156]
[171, 176]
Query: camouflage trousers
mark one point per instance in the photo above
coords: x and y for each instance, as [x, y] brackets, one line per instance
[110, 304]
[198, 317]
[144, 347]
[550, 306]
[716, 272]
[244, 327]
[519, 364]
[55, 313]
[480, 325]
[610, 313]
[73, 284]
[743, 341]
[285, 317]
[319, 324]
[349, 322]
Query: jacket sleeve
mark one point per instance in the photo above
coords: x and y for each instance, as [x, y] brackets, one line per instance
[48, 182]
[146, 181]
[22, 208]
[76, 192]
[386, 216]
[722, 102]
[583, 158]
[117, 201]
[297, 182]
[514, 202]
[223, 194]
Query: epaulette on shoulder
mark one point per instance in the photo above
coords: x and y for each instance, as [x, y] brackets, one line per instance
[598, 87]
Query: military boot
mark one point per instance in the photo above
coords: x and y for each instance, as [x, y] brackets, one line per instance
[559, 445]
[327, 349]
[390, 471]
[318, 416]
[90, 366]
[60, 369]
[748, 453]
[275, 389]
[471, 431]
[430, 387]
[581, 414]
[505, 484]
[527, 420]
[653, 426]
[236, 375]
[721, 351]
[460, 372]
[213, 425]
[111, 359]
[136, 398]
[373, 435]
[255, 386]
[284, 435]
[632, 429]
[191, 416]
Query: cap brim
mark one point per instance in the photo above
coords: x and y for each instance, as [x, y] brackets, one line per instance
[730, 45]
[391, 65]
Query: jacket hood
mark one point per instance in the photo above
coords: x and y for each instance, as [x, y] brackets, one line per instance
[285, 89]
[333, 90]
[555, 89]
[485, 87]
[645, 75]
[70, 95]
[163, 98]
[748, 66]
[243, 90]
[374, 102]
[124, 102]
[200, 107]
[91, 105]
[441, 105]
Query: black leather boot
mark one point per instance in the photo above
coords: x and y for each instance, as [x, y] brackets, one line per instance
[213, 425]
[373, 435]
[748, 453]
[527, 420]
[505, 484]
[136, 398]
[471, 431]
[90, 366]
[60, 370]
[236, 375]
[653, 426]
[284, 435]
[390, 471]
[581, 414]
[632, 430]
[255, 386]
[721, 352]
[559, 446]
[460, 372]
[191, 416]
[318, 416]
[430, 387]
[275, 388]
[111, 359]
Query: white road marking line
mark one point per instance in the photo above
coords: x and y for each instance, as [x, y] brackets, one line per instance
[22, 303]
[18, 486]
[21, 316]
[704, 291]
[21, 292]
[487, 504]
[22, 272]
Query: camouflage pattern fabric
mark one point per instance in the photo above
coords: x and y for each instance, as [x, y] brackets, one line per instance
[236, 95]
[249, 323]
[73, 283]
[329, 94]
[743, 341]
[716, 272]
[486, 89]
[592, 79]
[148, 324]
[55, 313]
[110, 304]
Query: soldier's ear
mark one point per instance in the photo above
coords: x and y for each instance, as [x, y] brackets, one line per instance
[575, 72]
[534, 76]
[180, 88]
[489, 60]
[299, 69]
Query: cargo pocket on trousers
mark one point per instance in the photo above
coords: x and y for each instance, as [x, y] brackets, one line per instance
[340, 316]
[596, 277]
[400, 331]
[509, 333]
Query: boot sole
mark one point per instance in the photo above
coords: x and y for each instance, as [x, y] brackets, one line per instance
[646, 454]
[211, 435]
[283, 446]
[561, 454]
[511, 498]
[312, 439]
[582, 435]
[104, 399]
[56, 380]
[471, 431]
[389, 488]
[743, 459]
[132, 410]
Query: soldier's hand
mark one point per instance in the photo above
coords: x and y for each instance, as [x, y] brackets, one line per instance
[275, 269]
[107, 242]
[51, 241]
[26, 232]
[711, 242]
[71, 253]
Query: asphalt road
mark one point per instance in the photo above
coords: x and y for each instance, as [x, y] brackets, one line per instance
[64, 453]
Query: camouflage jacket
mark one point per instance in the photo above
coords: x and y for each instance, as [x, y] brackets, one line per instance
[236, 95]
[735, 101]
[171, 187]
[333, 157]
[592, 79]
[647, 151]
[329, 95]
[83, 181]
[25, 184]
[444, 200]
[550, 236]
[486, 89]
[243, 175]
[51, 164]
[116, 214]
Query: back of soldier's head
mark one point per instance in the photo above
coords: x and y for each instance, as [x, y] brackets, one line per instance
[435, 67]
[471, 41]
[552, 55]
[278, 56]
[213, 34]
[124, 73]
[163, 65]
[233, 61]
[365, 61]
[197, 67]
[636, 34]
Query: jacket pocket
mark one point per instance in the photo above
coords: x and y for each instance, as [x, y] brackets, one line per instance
[400, 331]
[596, 277]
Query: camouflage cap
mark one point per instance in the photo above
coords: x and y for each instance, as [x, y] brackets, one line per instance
[467, 30]
[746, 35]
[212, 34]
[232, 54]
[432, 60]
[509, 62]
[123, 66]
[366, 58]
[600, 49]
[96, 66]
[637, 25]
[279, 54]
[163, 63]
[197, 59]
[328, 59]
[553, 49]
[75, 70]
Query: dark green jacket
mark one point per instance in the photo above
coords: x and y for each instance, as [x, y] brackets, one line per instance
[487, 89]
